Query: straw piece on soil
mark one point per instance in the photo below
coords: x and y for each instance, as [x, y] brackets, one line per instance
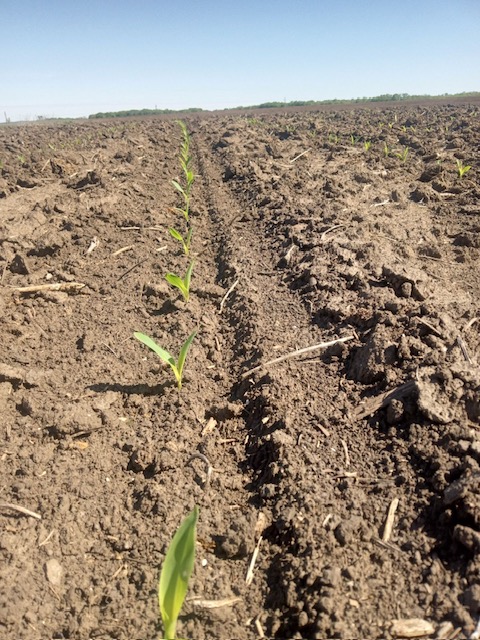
[371, 405]
[321, 428]
[52, 286]
[287, 257]
[213, 604]
[431, 327]
[463, 349]
[411, 628]
[327, 519]
[300, 155]
[122, 250]
[93, 245]
[260, 525]
[347, 456]
[293, 354]
[259, 628]
[444, 631]
[135, 228]
[20, 509]
[47, 539]
[470, 323]
[225, 297]
[330, 229]
[249, 577]
[387, 530]
[210, 427]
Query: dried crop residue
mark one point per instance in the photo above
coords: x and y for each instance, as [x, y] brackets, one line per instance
[349, 473]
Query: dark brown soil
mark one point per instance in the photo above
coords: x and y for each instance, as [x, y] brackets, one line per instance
[315, 236]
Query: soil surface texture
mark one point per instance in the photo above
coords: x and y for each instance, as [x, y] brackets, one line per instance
[338, 487]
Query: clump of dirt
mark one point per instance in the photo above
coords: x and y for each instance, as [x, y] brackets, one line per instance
[350, 472]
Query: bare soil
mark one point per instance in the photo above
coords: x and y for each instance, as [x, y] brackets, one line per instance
[304, 233]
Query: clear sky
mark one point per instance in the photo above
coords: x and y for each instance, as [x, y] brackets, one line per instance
[77, 57]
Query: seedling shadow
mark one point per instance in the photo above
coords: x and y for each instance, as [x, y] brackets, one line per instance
[167, 308]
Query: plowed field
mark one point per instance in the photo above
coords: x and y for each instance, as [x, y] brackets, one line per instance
[351, 471]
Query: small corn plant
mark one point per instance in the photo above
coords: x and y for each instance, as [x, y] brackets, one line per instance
[367, 144]
[176, 571]
[186, 200]
[184, 241]
[402, 155]
[386, 150]
[185, 163]
[163, 354]
[182, 284]
[462, 169]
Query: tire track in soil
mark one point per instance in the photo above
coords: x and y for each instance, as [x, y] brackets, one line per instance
[324, 485]
[287, 422]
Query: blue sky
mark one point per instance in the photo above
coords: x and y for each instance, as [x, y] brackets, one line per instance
[74, 58]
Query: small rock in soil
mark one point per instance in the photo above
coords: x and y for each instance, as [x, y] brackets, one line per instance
[54, 572]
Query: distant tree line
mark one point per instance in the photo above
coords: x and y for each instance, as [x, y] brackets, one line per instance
[141, 112]
[386, 97]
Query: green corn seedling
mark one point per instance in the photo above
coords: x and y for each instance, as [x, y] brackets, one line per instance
[386, 150]
[403, 154]
[462, 169]
[353, 140]
[176, 571]
[185, 242]
[185, 162]
[177, 367]
[367, 144]
[186, 200]
[182, 284]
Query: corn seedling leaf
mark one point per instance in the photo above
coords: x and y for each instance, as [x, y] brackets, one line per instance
[175, 234]
[183, 127]
[178, 187]
[177, 368]
[151, 344]
[462, 169]
[184, 212]
[184, 242]
[183, 284]
[185, 162]
[176, 281]
[176, 571]
[183, 354]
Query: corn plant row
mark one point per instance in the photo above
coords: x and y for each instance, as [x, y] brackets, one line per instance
[181, 283]
[184, 188]
[179, 560]
[402, 154]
